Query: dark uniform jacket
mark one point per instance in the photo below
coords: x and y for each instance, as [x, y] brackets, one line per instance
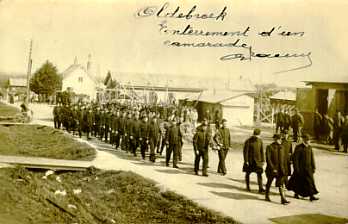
[276, 160]
[135, 128]
[303, 159]
[154, 132]
[223, 138]
[202, 138]
[174, 135]
[253, 152]
[144, 130]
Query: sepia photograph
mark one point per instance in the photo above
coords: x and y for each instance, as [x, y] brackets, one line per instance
[173, 111]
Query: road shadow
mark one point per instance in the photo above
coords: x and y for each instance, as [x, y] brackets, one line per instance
[236, 196]
[232, 187]
[242, 181]
[169, 171]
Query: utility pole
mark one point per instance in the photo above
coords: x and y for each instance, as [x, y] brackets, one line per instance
[30, 62]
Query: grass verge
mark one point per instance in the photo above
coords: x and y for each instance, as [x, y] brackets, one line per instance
[94, 196]
[42, 141]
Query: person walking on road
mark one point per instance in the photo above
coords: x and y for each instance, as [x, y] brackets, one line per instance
[201, 142]
[302, 180]
[222, 139]
[277, 168]
[254, 159]
[173, 142]
[297, 122]
[344, 134]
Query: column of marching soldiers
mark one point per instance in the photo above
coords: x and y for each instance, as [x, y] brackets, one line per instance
[133, 128]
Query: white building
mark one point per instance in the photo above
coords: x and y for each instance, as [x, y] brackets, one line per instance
[79, 79]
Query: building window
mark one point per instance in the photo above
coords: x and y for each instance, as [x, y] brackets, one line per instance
[80, 79]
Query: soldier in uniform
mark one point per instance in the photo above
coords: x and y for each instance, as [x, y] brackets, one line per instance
[173, 142]
[144, 136]
[201, 142]
[338, 123]
[102, 124]
[254, 159]
[56, 116]
[154, 135]
[223, 140]
[276, 167]
[128, 127]
[344, 134]
[107, 120]
[96, 126]
[317, 124]
[122, 131]
[164, 132]
[279, 120]
[89, 124]
[297, 122]
[134, 134]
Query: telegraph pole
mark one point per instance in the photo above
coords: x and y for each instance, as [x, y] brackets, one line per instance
[30, 62]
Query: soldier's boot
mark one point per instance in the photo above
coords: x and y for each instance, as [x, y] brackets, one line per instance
[282, 196]
[268, 187]
[247, 181]
[259, 182]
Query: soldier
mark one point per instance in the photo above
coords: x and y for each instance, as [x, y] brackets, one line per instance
[276, 167]
[134, 134]
[144, 136]
[344, 134]
[297, 122]
[127, 128]
[338, 123]
[107, 120]
[96, 123]
[102, 124]
[201, 142]
[223, 139]
[164, 132]
[56, 116]
[317, 124]
[122, 131]
[117, 129]
[154, 135]
[89, 124]
[173, 143]
[302, 180]
[287, 120]
[279, 120]
[254, 159]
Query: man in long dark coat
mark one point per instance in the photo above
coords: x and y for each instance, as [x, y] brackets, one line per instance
[223, 139]
[254, 158]
[277, 167]
[201, 143]
[302, 180]
[337, 128]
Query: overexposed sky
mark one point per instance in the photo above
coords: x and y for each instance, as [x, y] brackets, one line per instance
[120, 41]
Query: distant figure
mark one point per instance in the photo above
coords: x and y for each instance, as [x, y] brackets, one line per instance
[337, 128]
[302, 180]
[327, 127]
[254, 158]
[174, 143]
[276, 158]
[344, 134]
[297, 123]
[317, 124]
[279, 120]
